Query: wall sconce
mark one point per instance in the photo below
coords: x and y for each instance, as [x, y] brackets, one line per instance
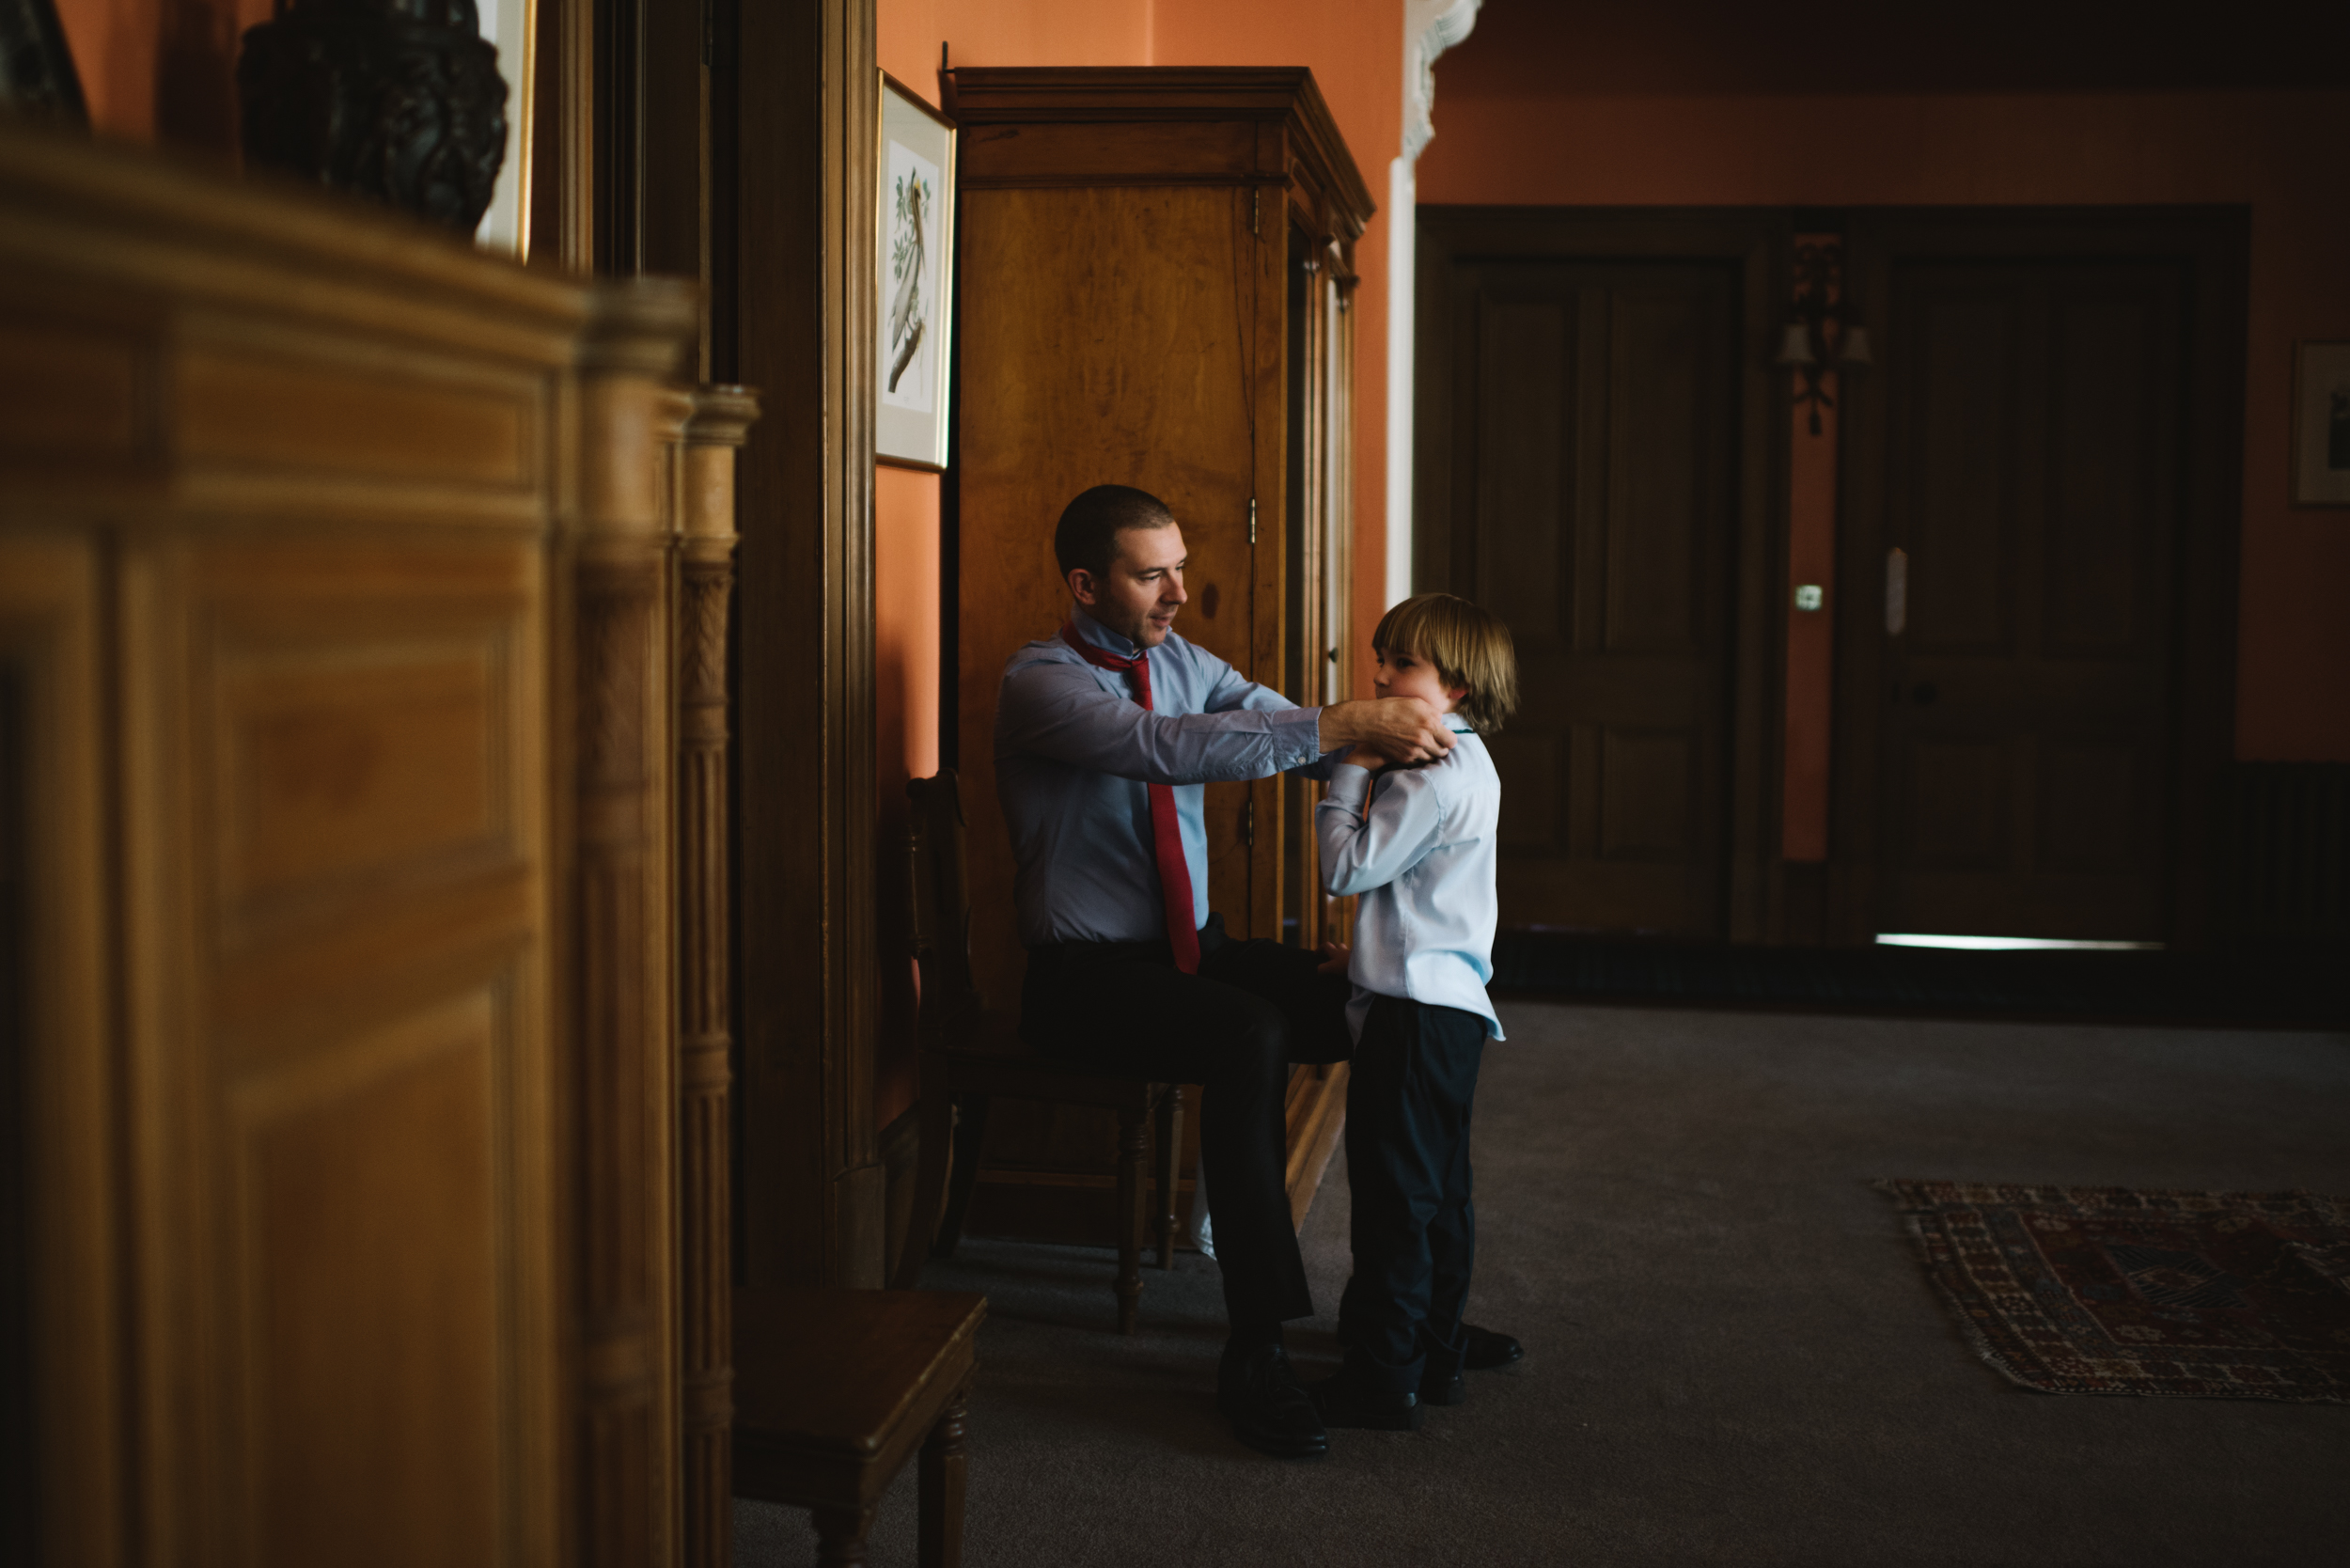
[1809, 346]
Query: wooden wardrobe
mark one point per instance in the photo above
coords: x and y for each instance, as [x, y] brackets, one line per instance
[1156, 290]
[338, 724]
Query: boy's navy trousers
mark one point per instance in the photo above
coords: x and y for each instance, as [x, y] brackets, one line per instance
[1407, 1173]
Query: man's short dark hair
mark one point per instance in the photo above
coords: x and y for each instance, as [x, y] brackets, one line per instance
[1089, 525]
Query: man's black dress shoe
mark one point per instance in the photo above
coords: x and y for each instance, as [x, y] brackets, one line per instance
[1261, 1396]
[1487, 1350]
[1345, 1400]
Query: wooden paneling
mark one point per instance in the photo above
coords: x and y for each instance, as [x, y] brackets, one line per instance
[2285, 853]
[1591, 469]
[333, 628]
[69, 393]
[2051, 437]
[247, 410]
[341, 966]
[368, 1214]
[1089, 154]
[69, 1375]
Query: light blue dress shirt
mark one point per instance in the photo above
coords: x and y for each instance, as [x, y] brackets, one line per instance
[1076, 753]
[1418, 845]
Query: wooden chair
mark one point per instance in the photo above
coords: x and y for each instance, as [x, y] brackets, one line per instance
[972, 1054]
[835, 1390]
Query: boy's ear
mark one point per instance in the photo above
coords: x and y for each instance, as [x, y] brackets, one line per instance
[1082, 586]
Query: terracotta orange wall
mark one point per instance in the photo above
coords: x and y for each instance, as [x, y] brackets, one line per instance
[2279, 152]
[161, 70]
[1355, 51]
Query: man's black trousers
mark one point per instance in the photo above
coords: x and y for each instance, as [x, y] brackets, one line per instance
[1408, 1178]
[1233, 1027]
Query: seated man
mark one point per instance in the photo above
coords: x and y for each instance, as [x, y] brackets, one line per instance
[1103, 736]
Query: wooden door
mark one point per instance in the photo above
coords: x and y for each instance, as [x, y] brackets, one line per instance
[2029, 747]
[2033, 490]
[1592, 455]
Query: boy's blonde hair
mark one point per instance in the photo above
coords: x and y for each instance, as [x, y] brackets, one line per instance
[1468, 647]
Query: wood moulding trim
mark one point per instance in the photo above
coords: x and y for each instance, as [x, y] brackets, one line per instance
[1278, 95]
[802, 79]
[719, 422]
[191, 232]
[622, 981]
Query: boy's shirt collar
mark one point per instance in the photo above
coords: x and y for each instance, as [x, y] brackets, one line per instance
[1454, 724]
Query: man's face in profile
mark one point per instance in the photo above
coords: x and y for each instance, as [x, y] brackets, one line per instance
[1144, 588]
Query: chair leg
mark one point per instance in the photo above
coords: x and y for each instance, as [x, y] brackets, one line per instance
[840, 1536]
[940, 1526]
[970, 1133]
[1170, 1168]
[1134, 1149]
[930, 1180]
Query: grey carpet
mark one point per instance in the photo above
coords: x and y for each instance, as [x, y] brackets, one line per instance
[1732, 1356]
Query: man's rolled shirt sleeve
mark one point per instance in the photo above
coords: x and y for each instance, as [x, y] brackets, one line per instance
[1058, 710]
[1234, 690]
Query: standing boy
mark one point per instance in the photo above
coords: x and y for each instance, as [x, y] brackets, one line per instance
[1418, 844]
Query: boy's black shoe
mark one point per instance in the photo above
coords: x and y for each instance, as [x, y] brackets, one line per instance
[1487, 1350]
[1345, 1400]
[1269, 1409]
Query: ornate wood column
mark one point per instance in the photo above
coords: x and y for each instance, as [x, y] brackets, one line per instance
[720, 419]
[622, 1005]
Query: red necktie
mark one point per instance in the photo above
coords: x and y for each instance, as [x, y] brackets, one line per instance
[1166, 838]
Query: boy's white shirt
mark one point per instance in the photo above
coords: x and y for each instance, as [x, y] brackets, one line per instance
[1419, 845]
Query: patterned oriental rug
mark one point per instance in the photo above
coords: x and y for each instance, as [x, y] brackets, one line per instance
[2108, 1291]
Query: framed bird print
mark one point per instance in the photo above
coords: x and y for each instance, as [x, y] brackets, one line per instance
[915, 296]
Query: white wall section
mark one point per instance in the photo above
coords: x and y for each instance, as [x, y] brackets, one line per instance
[1430, 29]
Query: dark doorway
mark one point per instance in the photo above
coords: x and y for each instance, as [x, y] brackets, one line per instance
[1583, 479]
[2038, 554]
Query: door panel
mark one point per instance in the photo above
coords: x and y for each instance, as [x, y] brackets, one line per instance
[1594, 516]
[2032, 477]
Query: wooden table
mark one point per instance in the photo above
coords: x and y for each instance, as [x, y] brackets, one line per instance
[834, 1390]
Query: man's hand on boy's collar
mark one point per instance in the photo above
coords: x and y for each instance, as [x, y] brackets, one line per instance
[1399, 728]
